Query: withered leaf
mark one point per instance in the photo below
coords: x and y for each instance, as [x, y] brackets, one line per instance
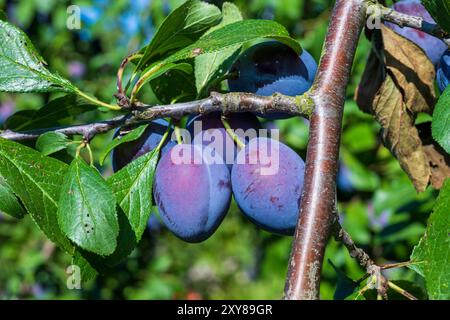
[397, 84]
[399, 133]
[412, 71]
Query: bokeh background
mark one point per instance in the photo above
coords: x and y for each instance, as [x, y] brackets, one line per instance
[378, 204]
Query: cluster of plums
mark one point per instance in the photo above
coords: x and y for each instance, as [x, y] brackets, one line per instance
[193, 196]
[436, 50]
[264, 175]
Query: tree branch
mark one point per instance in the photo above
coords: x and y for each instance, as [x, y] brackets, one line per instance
[88, 131]
[404, 20]
[381, 283]
[226, 103]
[316, 211]
[341, 235]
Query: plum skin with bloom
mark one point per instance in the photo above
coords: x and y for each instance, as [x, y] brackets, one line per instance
[271, 201]
[273, 67]
[433, 47]
[192, 196]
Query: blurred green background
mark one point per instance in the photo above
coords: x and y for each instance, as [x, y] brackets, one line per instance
[378, 204]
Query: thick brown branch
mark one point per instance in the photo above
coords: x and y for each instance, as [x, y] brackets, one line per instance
[316, 212]
[404, 20]
[225, 103]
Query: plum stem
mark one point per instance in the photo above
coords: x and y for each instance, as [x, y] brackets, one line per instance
[232, 134]
[164, 138]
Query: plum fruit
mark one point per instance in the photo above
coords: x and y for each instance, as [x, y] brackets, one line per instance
[433, 47]
[272, 67]
[267, 182]
[192, 192]
[443, 73]
[212, 129]
[150, 139]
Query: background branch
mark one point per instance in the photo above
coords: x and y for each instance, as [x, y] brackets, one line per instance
[317, 205]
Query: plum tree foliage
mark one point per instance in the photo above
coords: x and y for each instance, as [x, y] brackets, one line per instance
[202, 57]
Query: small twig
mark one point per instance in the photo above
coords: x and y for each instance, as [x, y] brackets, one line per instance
[355, 252]
[88, 131]
[381, 284]
[396, 265]
[403, 292]
[404, 20]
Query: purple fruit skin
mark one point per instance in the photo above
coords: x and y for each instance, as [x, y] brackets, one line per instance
[271, 67]
[150, 139]
[192, 198]
[270, 201]
[433, 47]
[443, 73]
[212, 121]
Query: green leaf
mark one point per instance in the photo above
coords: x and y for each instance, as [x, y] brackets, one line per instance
[431, 255]
[131, 136]
[164, 69]
[440, 11]
[17, 119]
[174, 86]
[181, 28]
[441, 121]
[234, 34]
[345, 286]
[133, 187]
[54, 111]
[126, 242]
[87, 270]
[9, 203]
[3, 15]
[37, 181]
[23, 69]
[211, 66]
[51, 142]
[87, 209]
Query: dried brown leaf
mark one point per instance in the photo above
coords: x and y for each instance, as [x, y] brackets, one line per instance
[398, 83]
[400, 135]
[411, 70]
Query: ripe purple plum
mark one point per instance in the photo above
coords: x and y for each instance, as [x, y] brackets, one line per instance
[212, 128]
[267, 182]
[148, 141]
[272, 67]
[192, 192]
[443, 73]
[433, 47]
